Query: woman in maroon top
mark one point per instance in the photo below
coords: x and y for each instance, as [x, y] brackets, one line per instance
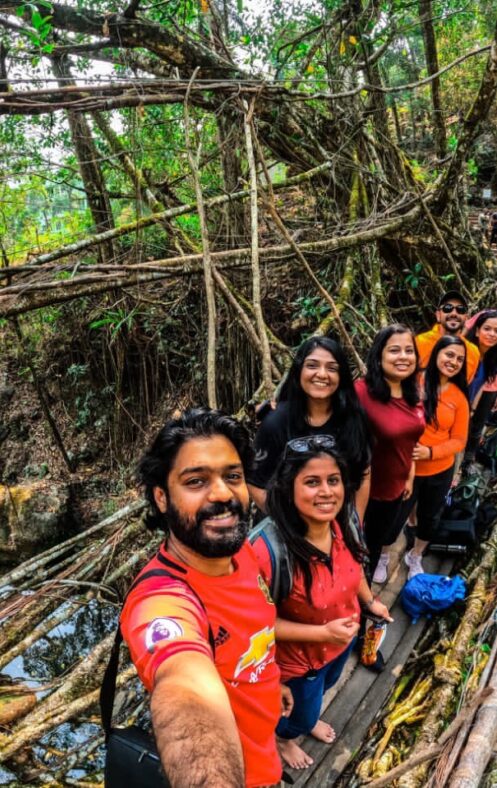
[310, 501]
[389, 395]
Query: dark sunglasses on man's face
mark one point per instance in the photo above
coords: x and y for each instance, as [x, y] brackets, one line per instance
[313, 442]
[448, 308]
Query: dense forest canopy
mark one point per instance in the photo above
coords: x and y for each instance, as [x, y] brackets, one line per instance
[188, 188]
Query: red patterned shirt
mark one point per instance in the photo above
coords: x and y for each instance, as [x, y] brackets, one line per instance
[334, 595]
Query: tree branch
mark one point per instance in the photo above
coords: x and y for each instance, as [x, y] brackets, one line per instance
[170, 213]
[256, 274]
[10, 304]
[208, 279]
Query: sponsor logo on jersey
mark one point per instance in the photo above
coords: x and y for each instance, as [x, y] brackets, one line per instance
[259, 649]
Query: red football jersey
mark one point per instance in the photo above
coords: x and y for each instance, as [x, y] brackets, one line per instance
[162, 616]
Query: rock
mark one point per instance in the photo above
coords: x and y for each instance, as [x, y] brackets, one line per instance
[32, 517]
[6, 394]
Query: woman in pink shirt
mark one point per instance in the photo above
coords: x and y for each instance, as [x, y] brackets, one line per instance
[310, 501]
[482, 331]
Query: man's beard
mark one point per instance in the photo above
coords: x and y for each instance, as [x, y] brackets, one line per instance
[454, 331]
[226, 542]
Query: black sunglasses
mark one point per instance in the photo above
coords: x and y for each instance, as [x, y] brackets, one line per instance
[448, 308]
[302, 445]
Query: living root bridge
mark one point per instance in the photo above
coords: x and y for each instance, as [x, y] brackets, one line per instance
[16, 300]
[158, 217]
[438, 751]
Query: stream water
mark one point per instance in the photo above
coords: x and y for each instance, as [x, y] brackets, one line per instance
[52, 657]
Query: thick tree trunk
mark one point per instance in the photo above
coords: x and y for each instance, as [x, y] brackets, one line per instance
[207, 261]
[137, 178]
[430, 45]
[91, 173]
[234, 213]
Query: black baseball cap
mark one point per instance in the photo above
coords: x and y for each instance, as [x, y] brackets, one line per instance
[450, 295]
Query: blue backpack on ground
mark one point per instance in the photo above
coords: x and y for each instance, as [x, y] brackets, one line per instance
[426, 594]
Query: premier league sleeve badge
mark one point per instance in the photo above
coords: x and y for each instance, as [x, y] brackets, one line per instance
[162, 629]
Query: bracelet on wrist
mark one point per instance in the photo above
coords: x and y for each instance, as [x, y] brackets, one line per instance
[369, 604]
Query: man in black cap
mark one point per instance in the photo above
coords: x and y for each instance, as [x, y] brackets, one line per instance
[451, 315]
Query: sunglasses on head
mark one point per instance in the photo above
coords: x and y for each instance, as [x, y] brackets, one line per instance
[302, 445]
[448, 308]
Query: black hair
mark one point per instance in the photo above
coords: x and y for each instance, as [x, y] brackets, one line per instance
[347, 411]
[281, 507]
[377, 386]
[432, 378]
[156, 464]
[490, 357]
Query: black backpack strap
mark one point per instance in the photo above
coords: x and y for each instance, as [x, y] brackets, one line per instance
[108, 688]
[281, 564]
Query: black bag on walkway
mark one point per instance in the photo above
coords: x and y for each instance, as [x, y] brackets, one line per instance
[456, 532]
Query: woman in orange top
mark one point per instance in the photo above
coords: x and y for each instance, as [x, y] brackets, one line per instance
[447, 421]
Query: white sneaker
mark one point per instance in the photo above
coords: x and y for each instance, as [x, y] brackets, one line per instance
[380, 573]
[414, 563]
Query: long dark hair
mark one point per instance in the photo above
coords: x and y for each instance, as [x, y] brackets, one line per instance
[281, 507]
[432, 378]
[490, 357]
[347, 411]
[376, 384]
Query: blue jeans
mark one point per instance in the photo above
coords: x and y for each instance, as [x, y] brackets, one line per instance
[308, 691]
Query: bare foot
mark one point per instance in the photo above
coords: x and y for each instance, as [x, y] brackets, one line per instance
[293, 755]
[323, 732]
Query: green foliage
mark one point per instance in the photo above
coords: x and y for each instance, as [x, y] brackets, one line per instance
[116, 320]
[311, 307]
[414, 277]
[452, 142]
[42, 24]
[77, 371]
[472, 168]
[84, 409]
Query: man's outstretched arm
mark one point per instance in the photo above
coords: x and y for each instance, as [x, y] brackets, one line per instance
[194, 726]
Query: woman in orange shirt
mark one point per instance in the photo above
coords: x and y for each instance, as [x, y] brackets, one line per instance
[447, 421]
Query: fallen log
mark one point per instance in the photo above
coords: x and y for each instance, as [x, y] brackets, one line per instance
[432, 751]
[480, 744]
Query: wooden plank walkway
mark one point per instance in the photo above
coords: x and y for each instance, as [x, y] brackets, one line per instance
[353, 703]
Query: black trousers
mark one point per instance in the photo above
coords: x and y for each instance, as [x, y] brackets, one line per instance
[429, 493]
[382, 524]
[478, 419]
